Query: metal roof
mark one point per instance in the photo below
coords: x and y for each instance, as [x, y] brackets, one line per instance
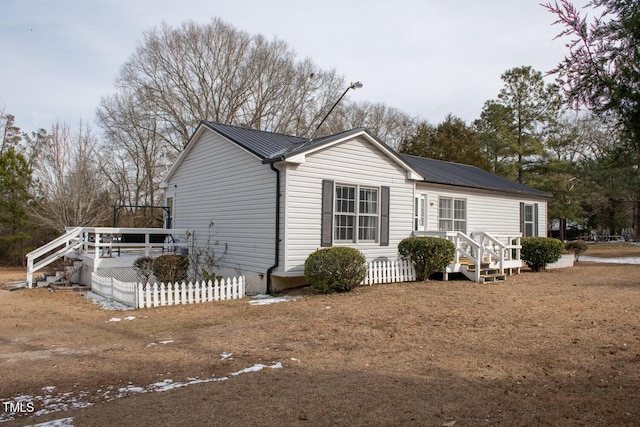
[265, 145]
[448, 173]
[271, 146]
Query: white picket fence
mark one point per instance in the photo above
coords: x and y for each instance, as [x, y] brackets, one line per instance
[156, 295]
[389, 271]
[565, 261]
[137, 295]
[114, 289]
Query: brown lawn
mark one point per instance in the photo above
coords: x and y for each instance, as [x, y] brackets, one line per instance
[561, 347]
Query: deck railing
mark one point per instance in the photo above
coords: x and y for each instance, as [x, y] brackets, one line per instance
[106, 242]
[481, 247]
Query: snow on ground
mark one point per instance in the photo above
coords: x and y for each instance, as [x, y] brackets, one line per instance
[105, 303]
[49, 401]
[63, 422]
[628, 260]
[108, 304]
[262, 299]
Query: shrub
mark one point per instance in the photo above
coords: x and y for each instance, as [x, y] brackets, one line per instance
[538, 252]
[144, 268]
[171, 268]
[577, 247]
[428, 254]
[335, 269]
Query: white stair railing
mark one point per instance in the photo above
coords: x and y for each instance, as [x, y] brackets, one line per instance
[52, 251]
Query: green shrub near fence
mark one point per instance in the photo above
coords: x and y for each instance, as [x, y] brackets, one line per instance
[335, 269]
[428, 254]
[538, 252]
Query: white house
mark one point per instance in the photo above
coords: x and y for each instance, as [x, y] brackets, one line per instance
[273, 199]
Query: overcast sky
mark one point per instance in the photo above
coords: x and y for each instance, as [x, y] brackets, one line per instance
[427, 58]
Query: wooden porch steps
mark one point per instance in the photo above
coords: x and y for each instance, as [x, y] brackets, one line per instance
[487, 272]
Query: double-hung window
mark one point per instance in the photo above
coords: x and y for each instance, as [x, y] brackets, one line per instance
[452, 214]
[528, 221]
[356, 214]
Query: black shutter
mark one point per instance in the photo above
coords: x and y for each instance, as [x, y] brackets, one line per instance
[535, 219]
[384, 216]
[326, 228]
[522, 230]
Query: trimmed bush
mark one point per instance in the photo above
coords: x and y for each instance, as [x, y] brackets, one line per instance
[538, 252]
[144, 268]
[335, 269]
[171, 268]
[577, 247]
[428, 254]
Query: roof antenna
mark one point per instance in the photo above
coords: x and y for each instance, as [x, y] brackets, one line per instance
[354, 86]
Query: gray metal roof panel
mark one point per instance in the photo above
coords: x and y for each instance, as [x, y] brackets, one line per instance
[447, 173]
[265, 145]
[271, 146]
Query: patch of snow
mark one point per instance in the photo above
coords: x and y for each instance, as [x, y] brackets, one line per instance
[628, 260]
[50, 403]
[130, 318]
[256, 368]
[225, 355]
[114, 319]
[105, 303]
[268, 299]
[63, 422]
[151, 344]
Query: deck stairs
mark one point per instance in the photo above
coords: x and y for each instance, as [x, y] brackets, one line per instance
[487, 273]
[482, 257]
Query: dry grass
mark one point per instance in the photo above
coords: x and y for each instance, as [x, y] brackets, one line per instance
[560, 347]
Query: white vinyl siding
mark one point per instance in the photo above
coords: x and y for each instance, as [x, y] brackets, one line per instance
[356, 163]
[493, 212]
[221, 182]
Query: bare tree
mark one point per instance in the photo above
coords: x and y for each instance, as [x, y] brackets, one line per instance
[387, 123]
[137, 156]
[70, 190]
[180, 76]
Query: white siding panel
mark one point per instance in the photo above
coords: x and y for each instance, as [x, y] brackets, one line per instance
[492, 212]
[221, 182]
[352, 162]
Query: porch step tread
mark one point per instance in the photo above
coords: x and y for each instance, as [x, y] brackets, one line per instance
[493, 277]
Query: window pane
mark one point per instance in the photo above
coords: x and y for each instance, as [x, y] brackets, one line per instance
[528, 229]
[460, 210]
[367, 228]
[446, 225]
[344, 227]
[345, 199]
[368, 201]
[445, 209]
[528, 213]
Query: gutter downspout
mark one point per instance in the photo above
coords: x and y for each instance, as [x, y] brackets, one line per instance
[276, 260]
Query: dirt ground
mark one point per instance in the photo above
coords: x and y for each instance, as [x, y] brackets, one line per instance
[560, 347]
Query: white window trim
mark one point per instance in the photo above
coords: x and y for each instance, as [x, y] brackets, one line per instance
[453, 218]
[532, 222]
[420, 212]
[356, 215]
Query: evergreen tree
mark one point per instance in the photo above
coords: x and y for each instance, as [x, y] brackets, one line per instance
[15, 177]
[452, 141]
